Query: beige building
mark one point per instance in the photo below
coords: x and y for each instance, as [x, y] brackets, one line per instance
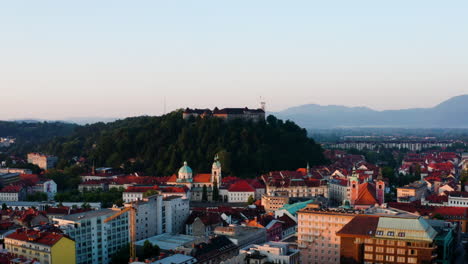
[411, 192]
[43, 161]
[316, 234]
[273, 202]
[295, 184]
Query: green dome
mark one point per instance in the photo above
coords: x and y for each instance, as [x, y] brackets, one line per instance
[185, 169]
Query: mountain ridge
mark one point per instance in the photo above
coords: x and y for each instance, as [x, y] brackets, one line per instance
[451, 113]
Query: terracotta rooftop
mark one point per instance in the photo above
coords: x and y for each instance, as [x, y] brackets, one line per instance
[241, 186]
[34, 236]
[366, 194]
[360, 225]
[202, 177]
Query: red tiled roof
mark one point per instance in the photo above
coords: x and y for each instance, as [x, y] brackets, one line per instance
[34, 236]
[241, 186]
[202, 177]
[173, 189]
[11, 189]
[366, 194]
[172, 178]
[33, 178]
[360, 225]
[434, 198]
[141, 188]
[93, 182]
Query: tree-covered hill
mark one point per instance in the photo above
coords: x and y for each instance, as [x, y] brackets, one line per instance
[159, 145]
[29, 134]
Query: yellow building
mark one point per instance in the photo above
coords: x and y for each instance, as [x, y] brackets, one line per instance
[46, 247]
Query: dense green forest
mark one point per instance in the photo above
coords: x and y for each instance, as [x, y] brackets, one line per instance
[159, 145]
[30, 134]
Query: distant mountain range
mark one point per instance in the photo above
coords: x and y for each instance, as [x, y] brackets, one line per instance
[452, 113]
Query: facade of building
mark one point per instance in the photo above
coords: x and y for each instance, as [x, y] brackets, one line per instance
[273, 202]
[316, 234]
[176, 211]
[295, 184]
[43, 161]
[48, 187]
[46, 247]
[96, 241]
[13, 193]
[374, 239]
[411, 192]
[240, 192]
[149, 216]
[458, 199]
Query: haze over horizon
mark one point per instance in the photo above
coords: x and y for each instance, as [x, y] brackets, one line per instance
[117, 59]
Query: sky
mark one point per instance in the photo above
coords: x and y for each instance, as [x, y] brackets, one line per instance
[111, 58]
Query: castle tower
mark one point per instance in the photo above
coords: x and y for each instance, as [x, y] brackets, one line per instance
[354, 184]
[380, 188]
[216, 171]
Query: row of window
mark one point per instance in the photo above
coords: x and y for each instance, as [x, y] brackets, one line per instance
[389, 258]
[390, 233]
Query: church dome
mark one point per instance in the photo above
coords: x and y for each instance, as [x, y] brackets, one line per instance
[185, 169]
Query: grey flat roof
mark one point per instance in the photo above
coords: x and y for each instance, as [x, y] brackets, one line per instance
[89, 214]
[168, 241]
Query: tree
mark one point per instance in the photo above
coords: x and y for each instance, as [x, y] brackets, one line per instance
[251, 200]
[4, 206]
[37, 196]
[149, 193]
[122, 255]
[215, 191]
[204, 193]
[150, 250]
[464, 177]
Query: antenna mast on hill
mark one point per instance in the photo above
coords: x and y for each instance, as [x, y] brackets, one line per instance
[262, 104]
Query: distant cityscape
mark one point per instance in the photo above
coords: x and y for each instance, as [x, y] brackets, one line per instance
[376, 200]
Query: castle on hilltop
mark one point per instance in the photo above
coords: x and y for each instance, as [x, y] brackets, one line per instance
[227, 113]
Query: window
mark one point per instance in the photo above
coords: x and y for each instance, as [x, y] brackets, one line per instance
[379, 249]
[401, 234]
[368, 256]
[390, 258]
[401, 259]
[379, 257]
[390, 250]
[379, 232]
[412, 260]
[401, 251]
[390, 233]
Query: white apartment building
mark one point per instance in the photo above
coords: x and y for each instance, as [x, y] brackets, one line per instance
[458, 199]
[48, 187]
[96, 241]
[12, 193]
[149, 217]
[176, 210]
[339, 190]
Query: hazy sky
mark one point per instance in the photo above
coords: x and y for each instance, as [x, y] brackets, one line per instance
[61, 59]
